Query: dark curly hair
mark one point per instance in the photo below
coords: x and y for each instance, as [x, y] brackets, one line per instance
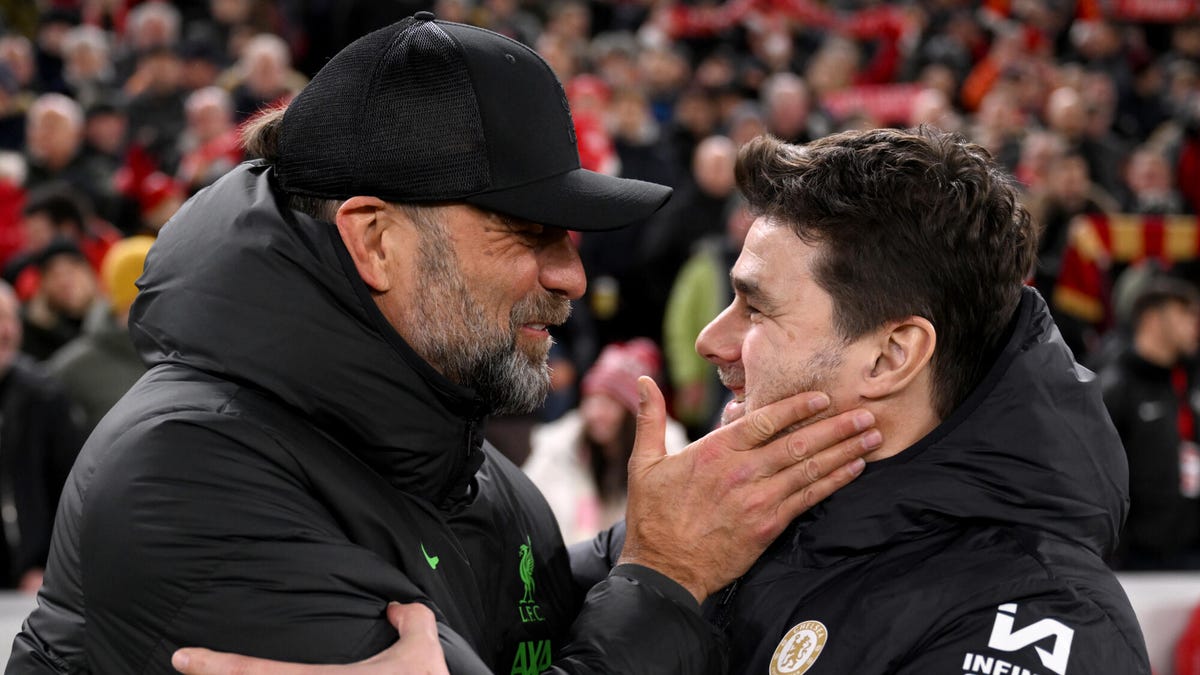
[910, 223]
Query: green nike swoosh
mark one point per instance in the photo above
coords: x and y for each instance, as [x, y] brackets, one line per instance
[431, 559]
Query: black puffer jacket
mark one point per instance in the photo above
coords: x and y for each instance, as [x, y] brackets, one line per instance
[981, 545]
[289, 465]
[978, 551]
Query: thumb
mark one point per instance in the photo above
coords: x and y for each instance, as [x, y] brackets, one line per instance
[650, 444]
[412, 619]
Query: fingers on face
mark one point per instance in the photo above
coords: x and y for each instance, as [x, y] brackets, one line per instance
[763, 424]
[831, 442]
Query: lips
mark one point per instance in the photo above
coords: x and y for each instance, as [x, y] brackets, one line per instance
[734, 380]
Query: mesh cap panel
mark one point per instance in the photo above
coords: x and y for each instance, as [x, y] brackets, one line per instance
[426, 110]
[393, 116]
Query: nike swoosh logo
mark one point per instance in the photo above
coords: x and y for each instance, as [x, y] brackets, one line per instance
[431, 559]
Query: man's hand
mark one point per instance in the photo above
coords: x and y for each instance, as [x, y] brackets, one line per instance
[703, 516]
[418, 652]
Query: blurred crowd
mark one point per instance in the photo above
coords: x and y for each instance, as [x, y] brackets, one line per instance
[114, 112]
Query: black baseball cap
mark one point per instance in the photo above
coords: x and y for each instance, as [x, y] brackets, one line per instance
[435, 111]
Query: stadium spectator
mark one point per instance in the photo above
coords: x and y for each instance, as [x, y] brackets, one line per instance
[88, 70]
[263, 76]
[54, 149]
[67, 291]
[99, 366]
[698, 210]
[156, 117]
[790, 112]
[1149, 391]
[41, 438]
[579, 460]
[210, 146]
[1068, 192]
[1150, 184]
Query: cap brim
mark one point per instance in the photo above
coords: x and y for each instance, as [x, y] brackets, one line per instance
[578, 200]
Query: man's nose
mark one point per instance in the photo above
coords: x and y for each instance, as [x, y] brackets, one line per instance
[562, 270]
[720, 341]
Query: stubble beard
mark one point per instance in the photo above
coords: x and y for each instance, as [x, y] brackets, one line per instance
[817, 373]
[456, 336]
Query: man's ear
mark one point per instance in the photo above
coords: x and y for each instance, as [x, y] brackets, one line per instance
[362, 221]
[902, 351]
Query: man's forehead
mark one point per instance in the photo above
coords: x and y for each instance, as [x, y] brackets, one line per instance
[773, 257]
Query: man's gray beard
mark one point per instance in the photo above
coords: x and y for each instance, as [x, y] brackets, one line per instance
[455, 335]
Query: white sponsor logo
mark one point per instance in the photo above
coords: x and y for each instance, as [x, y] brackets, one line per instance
[1005, 639]
[978, 664]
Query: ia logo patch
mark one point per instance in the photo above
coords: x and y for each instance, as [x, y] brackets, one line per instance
[1005, 639]
[799, 648]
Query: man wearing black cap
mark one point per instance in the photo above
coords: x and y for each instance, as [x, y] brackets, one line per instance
[327, 330]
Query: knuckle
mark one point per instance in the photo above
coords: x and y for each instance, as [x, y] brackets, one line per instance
[808, 497]
[797, 447]
[765, 532]
[734, 479]
[812, 470]
[761, 424]
[755, 502]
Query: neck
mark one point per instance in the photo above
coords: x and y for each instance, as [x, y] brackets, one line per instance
[902, 419]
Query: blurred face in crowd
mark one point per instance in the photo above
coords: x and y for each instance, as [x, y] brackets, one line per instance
[16, 52]
[1069, 181]
[745, 127]
[631, 115]
[85, 61]
[777, 338]
[571, 20]
[557, 52]
[696, 112]
[1179, 327]
[787, 109]
[603, 418]
[10, 327]
[50, 36]
[451, 10]
[773, 46]
[266, 72]
[69, 285]
[1149, 174]
[106, 132]
[1066, 113]
[53, 137]
[444, 297]
[163, 71]
[37, 230]
[230, 12]
[833, 66]
[713, 164]
[664, 70]
[153, 31]
[208, 115]
[1038, 152]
